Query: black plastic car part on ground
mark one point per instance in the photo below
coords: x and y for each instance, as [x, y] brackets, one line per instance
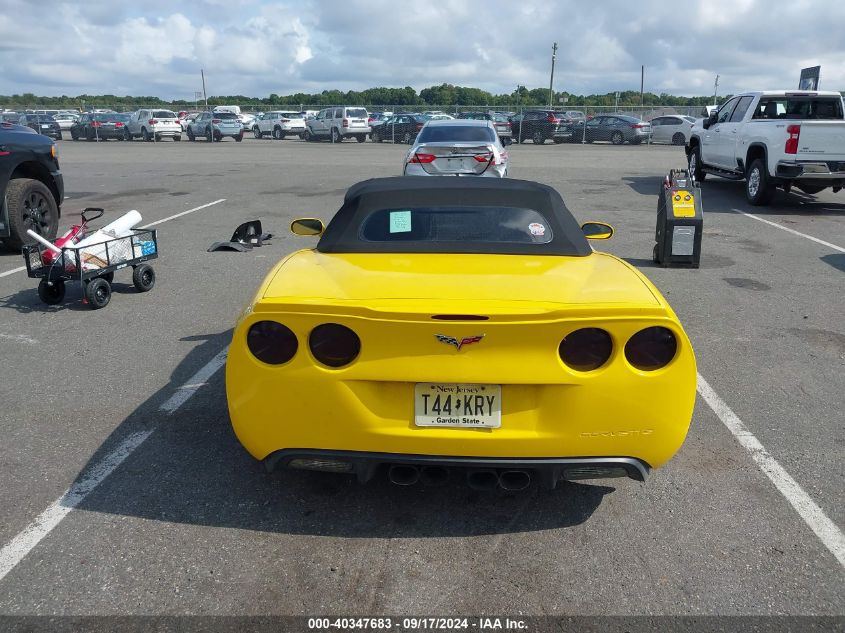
[31, 186]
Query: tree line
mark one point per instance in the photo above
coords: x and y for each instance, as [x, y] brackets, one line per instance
[442, 95]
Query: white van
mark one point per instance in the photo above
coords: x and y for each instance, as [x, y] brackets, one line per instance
[228, 108]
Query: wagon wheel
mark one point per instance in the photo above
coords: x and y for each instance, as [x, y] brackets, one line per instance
[51, 293]
[98, 293]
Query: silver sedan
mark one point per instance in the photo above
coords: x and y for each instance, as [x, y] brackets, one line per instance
[460, 147]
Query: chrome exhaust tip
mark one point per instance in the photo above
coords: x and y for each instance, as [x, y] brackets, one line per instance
[515, 480]
[482, 479]
[434, 475]
[403, 474]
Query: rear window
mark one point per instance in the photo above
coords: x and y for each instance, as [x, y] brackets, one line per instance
[164, 114]
[290, 115]
[811, 108]
[482, 224]
[225, 115]
[446, 133]
[358, 113]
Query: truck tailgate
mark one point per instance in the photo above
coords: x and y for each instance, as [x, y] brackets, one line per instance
[821, 139]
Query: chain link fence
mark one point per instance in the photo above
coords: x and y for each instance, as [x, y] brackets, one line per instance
[645, 112]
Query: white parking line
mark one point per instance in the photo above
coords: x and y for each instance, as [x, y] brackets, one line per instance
[172, 217]
[13, 271]
[827, 531]
[793, 231]
[179, 215]
[25, 541]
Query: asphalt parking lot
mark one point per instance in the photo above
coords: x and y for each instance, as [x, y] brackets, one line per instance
[169, 515]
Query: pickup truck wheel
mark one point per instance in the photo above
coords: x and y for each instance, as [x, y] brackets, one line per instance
[758, 189]
[51, 293]
[30, 205]
[679, 139]
[616, 138]
[695, 164]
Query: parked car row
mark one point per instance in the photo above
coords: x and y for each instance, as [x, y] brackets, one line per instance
[338, 123]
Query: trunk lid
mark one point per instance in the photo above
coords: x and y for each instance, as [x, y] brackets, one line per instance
[424, 284]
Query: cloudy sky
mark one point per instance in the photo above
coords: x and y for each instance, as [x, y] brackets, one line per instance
[258, 47]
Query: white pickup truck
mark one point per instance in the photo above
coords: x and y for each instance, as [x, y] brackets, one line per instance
[773, 139]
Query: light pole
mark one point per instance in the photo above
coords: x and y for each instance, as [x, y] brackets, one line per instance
[552, 78]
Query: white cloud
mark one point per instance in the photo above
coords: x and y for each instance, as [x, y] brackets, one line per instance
[255, 47]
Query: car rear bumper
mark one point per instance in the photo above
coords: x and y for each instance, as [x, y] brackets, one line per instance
[170, 131]
[494, 171]
[815, 170]
[227, 131]
[548, 471]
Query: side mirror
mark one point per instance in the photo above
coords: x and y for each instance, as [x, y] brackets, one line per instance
[597, 230]
[307, 227]
[710, 120]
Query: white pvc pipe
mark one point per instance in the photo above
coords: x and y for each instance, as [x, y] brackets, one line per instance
[44, 242]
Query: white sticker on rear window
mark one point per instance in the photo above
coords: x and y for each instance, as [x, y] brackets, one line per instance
[400, 221]
[537, 229]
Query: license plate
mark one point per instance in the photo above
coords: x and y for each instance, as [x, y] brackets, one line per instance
[46, 127]
[458, 405]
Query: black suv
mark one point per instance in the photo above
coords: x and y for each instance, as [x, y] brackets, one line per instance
[31, 185]
[43, 124]
[539, 125]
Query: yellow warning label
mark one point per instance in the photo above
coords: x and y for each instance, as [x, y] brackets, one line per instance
[683, 204]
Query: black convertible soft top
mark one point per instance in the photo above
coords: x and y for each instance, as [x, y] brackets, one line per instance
[344, 232]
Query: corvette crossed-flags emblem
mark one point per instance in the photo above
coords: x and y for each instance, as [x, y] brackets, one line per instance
[451, 340]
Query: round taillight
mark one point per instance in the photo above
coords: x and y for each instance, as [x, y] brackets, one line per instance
[586, 349]
[271, 342]
[651, 348]
[334, 345]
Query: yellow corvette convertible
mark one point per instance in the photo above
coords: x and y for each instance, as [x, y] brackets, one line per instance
[455, 325]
